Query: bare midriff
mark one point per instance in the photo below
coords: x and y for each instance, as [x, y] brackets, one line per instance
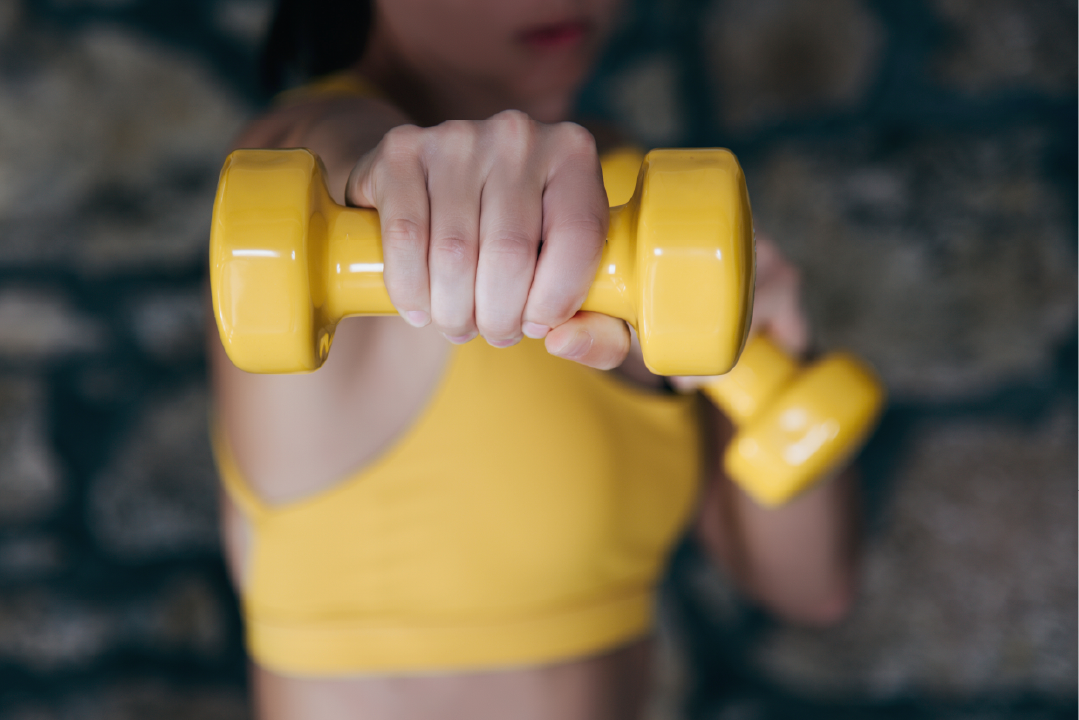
[611, 686]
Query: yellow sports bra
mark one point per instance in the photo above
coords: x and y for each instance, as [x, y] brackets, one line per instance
[523, 519]
[340, 84]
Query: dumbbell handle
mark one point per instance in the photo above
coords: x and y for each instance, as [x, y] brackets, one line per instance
[354, 265]
[762, 372]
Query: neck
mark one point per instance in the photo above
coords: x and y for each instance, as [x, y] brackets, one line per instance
[429, 97]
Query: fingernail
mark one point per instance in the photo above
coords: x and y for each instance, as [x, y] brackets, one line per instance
[504, 343]
[535, 330]
[460, 339]
[417, 318]
[575, 348]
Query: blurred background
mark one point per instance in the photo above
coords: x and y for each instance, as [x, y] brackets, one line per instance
[916, 159]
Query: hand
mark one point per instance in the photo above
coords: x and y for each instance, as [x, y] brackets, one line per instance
[777, 306]
[493, 228]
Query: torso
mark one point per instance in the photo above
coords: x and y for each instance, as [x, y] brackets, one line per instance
[392, 371]
[388, 372]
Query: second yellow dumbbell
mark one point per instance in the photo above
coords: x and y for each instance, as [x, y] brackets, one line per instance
[793, 425]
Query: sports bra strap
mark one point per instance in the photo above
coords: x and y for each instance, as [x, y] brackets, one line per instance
[345, 83]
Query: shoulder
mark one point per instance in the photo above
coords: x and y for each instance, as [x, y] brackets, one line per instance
[293, 123]
[340, 127]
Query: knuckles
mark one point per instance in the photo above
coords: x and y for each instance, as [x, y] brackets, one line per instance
[514, 121]
[454, 139]
[405, 231]
[574, 140]
[508, 137]
[515, 136]
[514, 244]
[403, 141]
[453, 250]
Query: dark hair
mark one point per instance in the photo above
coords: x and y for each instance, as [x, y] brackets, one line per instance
[309, 38]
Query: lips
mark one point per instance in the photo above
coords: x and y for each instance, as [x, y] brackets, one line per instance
[555, 36]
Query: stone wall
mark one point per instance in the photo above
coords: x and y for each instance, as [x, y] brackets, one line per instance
[916, 159]
[113, 598]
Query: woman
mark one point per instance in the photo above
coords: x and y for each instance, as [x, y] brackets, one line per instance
[462, 514]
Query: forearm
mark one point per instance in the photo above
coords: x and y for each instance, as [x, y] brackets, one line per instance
[798, 560]
[284, 427]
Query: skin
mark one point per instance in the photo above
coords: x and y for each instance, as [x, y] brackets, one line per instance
[492, 225]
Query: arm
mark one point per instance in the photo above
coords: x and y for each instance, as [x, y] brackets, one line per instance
[289, 434]
[798, 560]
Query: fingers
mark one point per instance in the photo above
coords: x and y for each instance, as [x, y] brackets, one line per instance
[777, 306]
[591, 339]
[455, 181]
[393, 179]
[575, 217]
[510, 224]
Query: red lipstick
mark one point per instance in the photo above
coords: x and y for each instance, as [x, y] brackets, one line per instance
[555, 36]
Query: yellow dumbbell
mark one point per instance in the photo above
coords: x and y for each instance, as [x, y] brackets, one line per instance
[287, 262]
[794, 425]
